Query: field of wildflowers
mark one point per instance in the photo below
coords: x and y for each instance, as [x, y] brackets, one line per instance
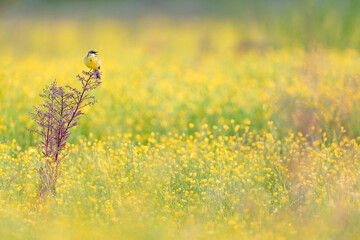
[196, 134]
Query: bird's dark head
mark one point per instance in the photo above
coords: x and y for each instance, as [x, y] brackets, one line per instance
[92, 52]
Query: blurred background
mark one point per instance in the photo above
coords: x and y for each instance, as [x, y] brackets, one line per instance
[329, 22]
[169, 65]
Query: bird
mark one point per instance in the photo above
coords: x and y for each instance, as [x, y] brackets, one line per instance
[92, 61]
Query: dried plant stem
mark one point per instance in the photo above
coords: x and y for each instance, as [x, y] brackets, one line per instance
[62, 109]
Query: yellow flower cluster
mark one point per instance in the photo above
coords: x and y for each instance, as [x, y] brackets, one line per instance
[213, 183]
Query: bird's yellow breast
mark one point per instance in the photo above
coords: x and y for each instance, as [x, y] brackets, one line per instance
[92, 62]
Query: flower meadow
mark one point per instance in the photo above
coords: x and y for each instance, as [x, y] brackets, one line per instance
[197, 133]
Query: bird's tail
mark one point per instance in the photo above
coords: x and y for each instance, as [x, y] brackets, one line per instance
[97, 74]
